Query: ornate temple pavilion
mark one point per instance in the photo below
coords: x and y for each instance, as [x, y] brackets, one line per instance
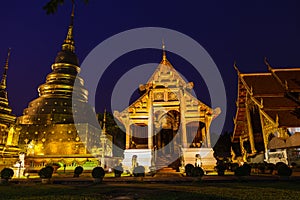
[167, 125]
[268, 107]
[8, 138]
[47, 128]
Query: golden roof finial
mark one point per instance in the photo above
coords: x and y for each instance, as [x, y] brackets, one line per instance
[3, 81]
[236, 68]
[69, 44]
[268, 64]
[164, 50]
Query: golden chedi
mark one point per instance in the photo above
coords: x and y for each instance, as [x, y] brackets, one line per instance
[8, 136]
[47, 125]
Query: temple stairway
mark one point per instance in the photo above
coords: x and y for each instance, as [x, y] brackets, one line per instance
[167, 163]
[165, 166]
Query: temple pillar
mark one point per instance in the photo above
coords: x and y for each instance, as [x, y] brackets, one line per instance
[208, 120]
[183, 121]
[150, 131]
[250, 130]
[159, 144]
[203, 133]
[128, 134]
[150, 121]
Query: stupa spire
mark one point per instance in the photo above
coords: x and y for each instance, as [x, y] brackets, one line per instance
[69, 44]
[104, 123]
[164, 50]
[3, 81]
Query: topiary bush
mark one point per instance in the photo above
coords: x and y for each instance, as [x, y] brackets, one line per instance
[98, 173]
[271, 167]
[197, 172]
[78, 170]
[233, 166]
[261, 167]
[7, 173]
[279, 164]
[244, 170]
[118, 170]
[220, 168]
[46, 172]
[139, 171]
[247, 169]
[189, 169]
[284, 170]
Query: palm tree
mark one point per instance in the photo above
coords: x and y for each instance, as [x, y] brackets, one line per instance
[52, 5]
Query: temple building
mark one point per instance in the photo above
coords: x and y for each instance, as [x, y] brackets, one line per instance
[267, 114]
[48, 132]
[8, 136]
[167, 126]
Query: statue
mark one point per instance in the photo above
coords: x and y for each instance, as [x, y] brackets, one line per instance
[134, 162]
[198, 162]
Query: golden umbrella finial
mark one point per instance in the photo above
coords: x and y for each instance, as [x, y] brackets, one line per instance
[3, 81]
[164, 50]
[69, 43]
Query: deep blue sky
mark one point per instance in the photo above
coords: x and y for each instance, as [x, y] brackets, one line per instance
[228, 30]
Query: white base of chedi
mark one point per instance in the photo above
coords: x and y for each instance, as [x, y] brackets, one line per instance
[207, 159]
[144, 156]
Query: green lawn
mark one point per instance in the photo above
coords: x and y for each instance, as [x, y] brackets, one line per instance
[253, 190]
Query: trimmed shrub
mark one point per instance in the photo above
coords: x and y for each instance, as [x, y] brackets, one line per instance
[284, 170]
[189, 169]
[254, 165]
[220, 168]
[118, 170]
[78, 170]
[98, 172]
[46, 172]
[261, 167]
[139, 171]
[233, 166]
[279, 164]
[247, 169]
[197, 172]
[7, 173]
[271, 167]
[294, 165]
[244, 170]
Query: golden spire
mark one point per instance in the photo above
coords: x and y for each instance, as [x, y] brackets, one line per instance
[69, 44]
[3, 81]
[104, 121]
[164, 50]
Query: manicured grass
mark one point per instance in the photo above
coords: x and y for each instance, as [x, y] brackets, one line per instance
[147, 191]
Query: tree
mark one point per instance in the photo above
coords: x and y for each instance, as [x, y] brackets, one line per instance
[223, 146]
[52, 5]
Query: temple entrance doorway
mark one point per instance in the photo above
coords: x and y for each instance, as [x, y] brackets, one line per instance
[164, 141]
[166, 130]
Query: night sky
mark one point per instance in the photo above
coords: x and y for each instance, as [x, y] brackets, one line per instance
[228, 30]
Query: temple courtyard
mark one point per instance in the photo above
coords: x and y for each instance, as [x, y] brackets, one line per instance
[190, 190]
[208, 187]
